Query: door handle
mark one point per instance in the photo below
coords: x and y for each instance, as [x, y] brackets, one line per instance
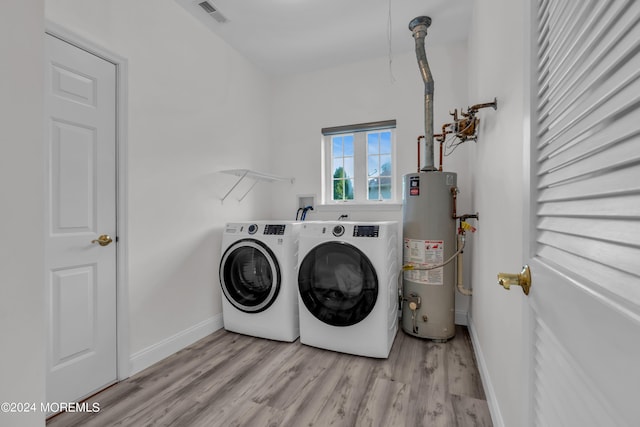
[103, 240]
[522, 279]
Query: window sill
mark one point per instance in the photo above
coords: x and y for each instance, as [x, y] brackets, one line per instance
[340, 207]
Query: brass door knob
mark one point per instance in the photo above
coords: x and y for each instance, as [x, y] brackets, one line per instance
[103, 240]
[522, 279]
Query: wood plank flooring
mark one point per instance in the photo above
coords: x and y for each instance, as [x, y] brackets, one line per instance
[227, 379]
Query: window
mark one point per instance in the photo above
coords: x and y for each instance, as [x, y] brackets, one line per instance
[342, 167]
[359, 163]
[379, 162]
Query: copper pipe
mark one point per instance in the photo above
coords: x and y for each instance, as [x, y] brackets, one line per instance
[441, 138]
[493, 105]
[444, 131]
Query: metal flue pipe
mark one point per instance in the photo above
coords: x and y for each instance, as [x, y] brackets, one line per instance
[418, 27]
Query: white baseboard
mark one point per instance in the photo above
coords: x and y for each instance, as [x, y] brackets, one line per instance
[165, 348]
[494, 409]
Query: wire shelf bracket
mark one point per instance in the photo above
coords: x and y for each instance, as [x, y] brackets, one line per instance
[251, 174]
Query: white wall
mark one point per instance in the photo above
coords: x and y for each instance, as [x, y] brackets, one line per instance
[195, 107]
[364, 92]
[22, 333]
[496, 58]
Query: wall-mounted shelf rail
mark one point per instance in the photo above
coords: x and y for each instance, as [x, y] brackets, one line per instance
[248, 173]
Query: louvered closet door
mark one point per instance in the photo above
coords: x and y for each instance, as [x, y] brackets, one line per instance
[585, 213]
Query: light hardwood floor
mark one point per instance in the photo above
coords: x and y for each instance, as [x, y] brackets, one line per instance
[227, 379]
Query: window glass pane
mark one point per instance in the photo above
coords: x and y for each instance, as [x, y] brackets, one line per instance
[348, 145]
[337, 146]
[385, 165]
[385, 188]
[348, 188]
[372, 190]
[385, 142]
[373, 165]
[337, 164]
[373, 143]
[342, 189]
[348, 167]
[338, 189]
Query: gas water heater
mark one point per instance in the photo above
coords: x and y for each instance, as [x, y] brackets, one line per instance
[432, 267]
[429, 230]
[429, 234]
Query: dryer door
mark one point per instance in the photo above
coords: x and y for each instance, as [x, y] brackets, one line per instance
[250, 275]
[338, 283]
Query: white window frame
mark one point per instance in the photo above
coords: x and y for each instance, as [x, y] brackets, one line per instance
[360, 133]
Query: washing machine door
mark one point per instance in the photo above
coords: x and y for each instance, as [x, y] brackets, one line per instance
[250, 275]
[338, 283]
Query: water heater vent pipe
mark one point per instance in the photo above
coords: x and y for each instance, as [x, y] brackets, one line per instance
[418, 27]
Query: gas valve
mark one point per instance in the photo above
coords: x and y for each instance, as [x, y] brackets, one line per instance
[414, 301]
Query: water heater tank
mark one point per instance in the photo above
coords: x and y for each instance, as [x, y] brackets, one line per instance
[429, 232]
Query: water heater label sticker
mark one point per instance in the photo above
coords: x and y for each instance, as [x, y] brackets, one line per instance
[414, 186]
[424, 254]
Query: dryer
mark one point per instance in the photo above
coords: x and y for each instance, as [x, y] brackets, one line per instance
[258, 279]
[347, 286]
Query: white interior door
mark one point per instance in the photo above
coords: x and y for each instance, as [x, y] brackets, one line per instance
[80, 116]
[584, 304]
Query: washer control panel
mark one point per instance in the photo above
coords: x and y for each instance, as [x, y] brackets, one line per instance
[274, 229]
[366, 230]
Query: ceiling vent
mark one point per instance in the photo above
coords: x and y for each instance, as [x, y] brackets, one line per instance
[212, 11]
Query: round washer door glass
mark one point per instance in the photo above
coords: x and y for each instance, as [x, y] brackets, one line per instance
[338, 283]
[250, 275]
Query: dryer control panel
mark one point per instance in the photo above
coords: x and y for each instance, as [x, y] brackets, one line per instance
[366, 230]
[274, 229]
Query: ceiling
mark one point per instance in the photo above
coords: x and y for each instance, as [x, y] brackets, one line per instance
[293, 36]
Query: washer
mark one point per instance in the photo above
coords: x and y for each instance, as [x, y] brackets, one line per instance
[347, 286]
[258, 279]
